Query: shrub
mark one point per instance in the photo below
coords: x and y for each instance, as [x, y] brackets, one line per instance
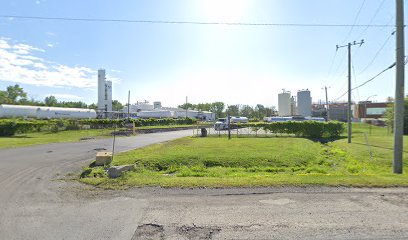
[309, 129]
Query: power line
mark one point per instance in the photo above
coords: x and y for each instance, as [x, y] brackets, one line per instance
[355, 21]
[377, 53]
[372, 19]
[193, 22]
[369, 80]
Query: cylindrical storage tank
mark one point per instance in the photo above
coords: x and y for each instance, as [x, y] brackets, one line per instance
[304, 103]
[284, 104]
[15, 111]
[12, 111]
[65, 113]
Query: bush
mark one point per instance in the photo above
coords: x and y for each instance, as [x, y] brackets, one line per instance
[9, 127]
[310, 129]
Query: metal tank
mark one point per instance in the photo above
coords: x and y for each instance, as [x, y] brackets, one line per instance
[15, 111]
[284, 103]
[304, 103]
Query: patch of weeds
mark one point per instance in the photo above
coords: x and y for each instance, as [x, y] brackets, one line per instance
[97, 172]
[316, 170]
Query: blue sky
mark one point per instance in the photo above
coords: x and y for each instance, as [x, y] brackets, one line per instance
[166, 62]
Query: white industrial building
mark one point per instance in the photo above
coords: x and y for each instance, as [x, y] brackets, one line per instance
[146, 110]
[304, 103]
[104, 93]
[22, 111]
[284, 106]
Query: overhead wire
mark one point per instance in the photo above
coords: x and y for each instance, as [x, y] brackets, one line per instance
[355, 21]
[191, 22]
[369, 80]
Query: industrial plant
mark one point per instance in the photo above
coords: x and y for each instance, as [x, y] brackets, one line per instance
[141, 109]
[289, 105]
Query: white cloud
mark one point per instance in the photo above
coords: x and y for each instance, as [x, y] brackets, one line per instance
[19, 63]
[65, 96]
[50, 45]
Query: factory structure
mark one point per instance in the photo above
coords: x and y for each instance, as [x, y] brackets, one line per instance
[299, 105]
[141, 109]
[144, 109]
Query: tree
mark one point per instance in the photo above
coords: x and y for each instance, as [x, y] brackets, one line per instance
[390, 116]
[116, 105]
[15, 92]
[51, 101]
[247, 111]
[233, 110]
[93, 106]
[3, 97]
[186, 105]
[218, 109]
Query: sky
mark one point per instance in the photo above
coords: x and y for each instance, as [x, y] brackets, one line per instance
[207, 63]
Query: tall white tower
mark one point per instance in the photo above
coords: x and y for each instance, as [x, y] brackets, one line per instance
[104, 92]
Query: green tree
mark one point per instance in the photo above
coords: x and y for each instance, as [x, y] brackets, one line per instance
[15, 92]
[116, 105]
[218, 109]
[390, 116]
[247, 111]
[4, 97]
[51, 101]
[186, 105]
[233, 110]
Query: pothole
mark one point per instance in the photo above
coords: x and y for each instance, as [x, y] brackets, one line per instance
[198, 233]
[149, 231]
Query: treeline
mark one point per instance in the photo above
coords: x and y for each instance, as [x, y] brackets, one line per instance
[219, 108]
[15, 95]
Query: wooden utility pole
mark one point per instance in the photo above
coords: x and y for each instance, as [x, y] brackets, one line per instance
[349, 115]
[399, 89]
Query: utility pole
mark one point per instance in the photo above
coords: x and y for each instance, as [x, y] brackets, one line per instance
[228, 122]
[399, 89]
[186, 107]
[349, 116]
[327, 104]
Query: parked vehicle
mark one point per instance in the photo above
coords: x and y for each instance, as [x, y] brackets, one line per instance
[222, 123]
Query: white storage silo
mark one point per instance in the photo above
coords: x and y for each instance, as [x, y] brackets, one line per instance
[304, 103]
[104, 92]
[284, 103]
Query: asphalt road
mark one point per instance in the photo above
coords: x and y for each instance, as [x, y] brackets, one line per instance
[36, 204]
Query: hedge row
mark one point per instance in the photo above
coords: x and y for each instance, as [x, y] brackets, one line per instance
[9, 127]
[140, 122]
[310, 129]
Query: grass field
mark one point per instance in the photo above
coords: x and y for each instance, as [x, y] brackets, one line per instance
[283, 160]
[48, 137]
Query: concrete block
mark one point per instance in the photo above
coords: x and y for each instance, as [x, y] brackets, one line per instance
[116, 171]
[103, 158]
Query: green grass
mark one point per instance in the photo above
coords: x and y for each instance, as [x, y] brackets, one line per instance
[169, 126]
[48, 137]
[266, 161]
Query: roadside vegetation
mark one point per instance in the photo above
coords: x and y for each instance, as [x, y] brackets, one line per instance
[264, 161]
[21, 132]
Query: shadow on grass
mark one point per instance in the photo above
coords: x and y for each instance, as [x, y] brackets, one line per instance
[18, 137]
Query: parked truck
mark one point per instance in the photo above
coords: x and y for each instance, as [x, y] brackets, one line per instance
[222, 123]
